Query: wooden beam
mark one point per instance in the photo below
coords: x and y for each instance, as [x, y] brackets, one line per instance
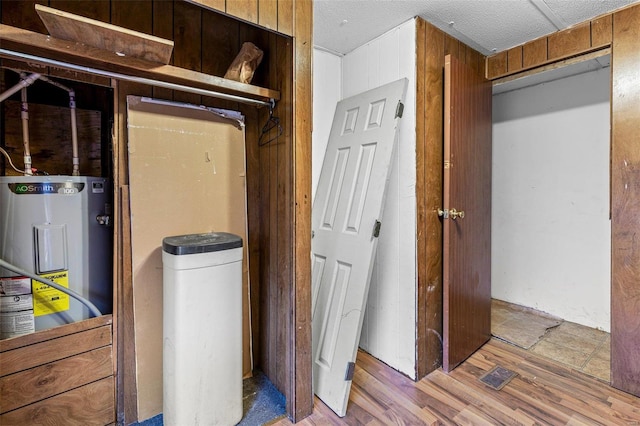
[575, 60]
[301, 395]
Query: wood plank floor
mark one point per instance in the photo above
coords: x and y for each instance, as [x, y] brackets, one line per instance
[543, 393]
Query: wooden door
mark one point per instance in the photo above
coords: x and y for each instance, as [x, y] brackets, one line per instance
[346, 217]
[466, 213]
[625, 202]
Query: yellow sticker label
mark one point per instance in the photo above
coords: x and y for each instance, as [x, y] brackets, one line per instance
[46, 299]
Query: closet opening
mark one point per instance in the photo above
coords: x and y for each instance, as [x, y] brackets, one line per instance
[551, 221]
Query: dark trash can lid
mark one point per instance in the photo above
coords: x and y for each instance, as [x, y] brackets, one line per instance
[200, 243]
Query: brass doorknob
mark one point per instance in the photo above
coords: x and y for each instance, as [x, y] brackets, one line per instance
[454, 214]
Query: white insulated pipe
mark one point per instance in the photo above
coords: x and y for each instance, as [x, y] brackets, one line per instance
[24, 113]
[24, 116]
[23, 83]
[74, 126]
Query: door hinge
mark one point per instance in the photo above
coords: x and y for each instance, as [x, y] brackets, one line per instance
[351, 368]
[376, 229]
[399, 110]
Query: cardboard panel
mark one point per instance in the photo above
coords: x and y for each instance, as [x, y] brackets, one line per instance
[186, 176]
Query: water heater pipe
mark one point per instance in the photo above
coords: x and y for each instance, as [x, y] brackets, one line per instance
[92, 308]
[24, 116]
[23, 83]
[74, 126]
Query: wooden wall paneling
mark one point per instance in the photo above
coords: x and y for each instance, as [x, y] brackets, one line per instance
[625, 198]
[514, 59]
[429, 165]
[262, 39]
[268, 14]
[285, 16]
[601, 31]
[22, 13]
[254, 215]
[275, 354]
[267, 356]
[162, 26]
[534, 53]
[497, 64]
[50, 135]
[283, 147]
[244, 9]
[580, 39]
[421, 204]
[462, 52]
[301, 399]
[213, 4]
[135, 15]
[451, 46]
[223, 33]
[268, 302]
[41, 382]
[569, 42]
[89, 404]
[476, 60]
[98, 10]
[187, 37]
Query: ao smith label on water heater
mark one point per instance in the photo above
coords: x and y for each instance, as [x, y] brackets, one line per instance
[46, 299]
[67, 188]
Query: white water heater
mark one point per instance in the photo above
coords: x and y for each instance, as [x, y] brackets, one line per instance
[56, 227]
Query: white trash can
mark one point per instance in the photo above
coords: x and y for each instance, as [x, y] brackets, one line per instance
[202, 329]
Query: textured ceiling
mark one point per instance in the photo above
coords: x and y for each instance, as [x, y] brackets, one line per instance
[488, 26]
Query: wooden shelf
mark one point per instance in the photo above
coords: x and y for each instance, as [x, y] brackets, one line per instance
[78, 54]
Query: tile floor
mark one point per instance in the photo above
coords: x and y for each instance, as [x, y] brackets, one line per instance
[582, 348]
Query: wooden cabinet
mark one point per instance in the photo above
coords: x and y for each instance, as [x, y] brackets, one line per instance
[58, 376]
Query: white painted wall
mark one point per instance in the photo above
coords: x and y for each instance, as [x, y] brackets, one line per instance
[389, 325]
[550, 222]
[327, 91]
[389, 329]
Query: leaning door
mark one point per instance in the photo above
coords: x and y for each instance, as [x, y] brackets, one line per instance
[466, 213]
[346, 218]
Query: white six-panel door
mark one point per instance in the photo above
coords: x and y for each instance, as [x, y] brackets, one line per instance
[346, 210]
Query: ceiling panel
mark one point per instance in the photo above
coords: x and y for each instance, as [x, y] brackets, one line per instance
[340, 26]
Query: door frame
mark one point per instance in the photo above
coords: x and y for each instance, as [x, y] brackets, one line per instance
[432, 46]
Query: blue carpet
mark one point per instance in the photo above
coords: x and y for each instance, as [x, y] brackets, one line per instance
[261, 403]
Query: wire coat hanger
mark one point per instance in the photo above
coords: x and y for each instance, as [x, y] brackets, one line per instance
[272, 123]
